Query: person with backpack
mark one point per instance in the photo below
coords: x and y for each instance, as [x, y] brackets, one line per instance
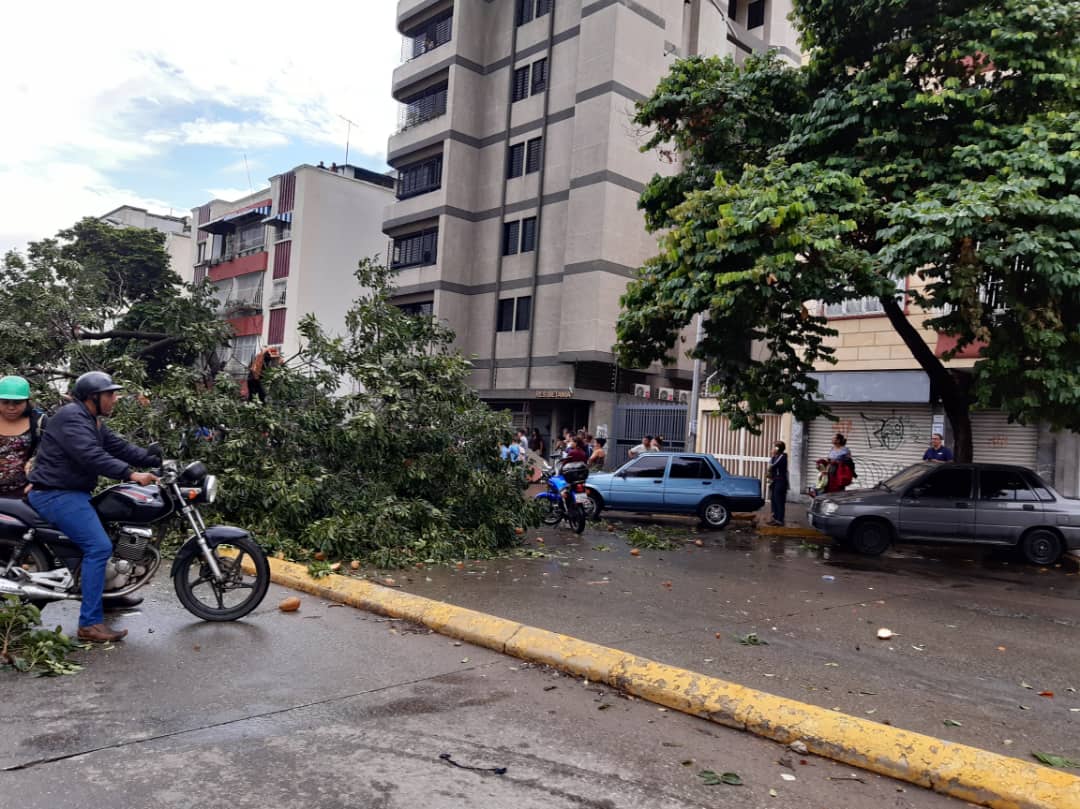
[20, 432]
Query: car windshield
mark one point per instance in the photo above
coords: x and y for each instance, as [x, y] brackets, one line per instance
[903, 477]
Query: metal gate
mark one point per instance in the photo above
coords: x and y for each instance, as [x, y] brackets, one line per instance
[633, 422]
[740, 452]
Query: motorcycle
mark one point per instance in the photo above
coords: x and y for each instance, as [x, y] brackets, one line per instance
[565, 497]
[41, 565]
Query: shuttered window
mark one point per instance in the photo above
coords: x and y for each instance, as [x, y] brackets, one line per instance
[282, 257]
[515, 165]
[524, 314]
[521, 84]
[420, 178]
[511, 231]
[543, 7]
[528, 234]
[539, 76]
[524, 11]
[755, 14]
[415, 249]
[276, 335]
[533, 150]
[505, 316]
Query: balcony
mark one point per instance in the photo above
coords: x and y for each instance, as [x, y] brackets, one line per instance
[230, 266]
[431, 35]
[409, 10]
[423, 107]
[246, 304]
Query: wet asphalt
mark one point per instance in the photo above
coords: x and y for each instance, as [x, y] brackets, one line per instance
[333, 707]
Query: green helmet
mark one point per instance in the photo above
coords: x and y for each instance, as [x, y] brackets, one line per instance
[15, 388]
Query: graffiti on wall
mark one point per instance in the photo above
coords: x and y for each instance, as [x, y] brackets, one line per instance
[893, 433]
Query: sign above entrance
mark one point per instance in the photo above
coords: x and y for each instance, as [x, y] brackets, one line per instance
[554, 394]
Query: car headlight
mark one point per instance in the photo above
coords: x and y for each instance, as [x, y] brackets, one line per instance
[210, 488]
[829, 507]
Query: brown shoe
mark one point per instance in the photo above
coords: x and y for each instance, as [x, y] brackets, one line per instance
[99, 633]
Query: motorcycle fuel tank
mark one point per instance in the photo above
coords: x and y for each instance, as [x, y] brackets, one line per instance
[129, 503]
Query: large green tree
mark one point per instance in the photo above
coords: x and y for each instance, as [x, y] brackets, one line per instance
[95, 294]
[932, 139]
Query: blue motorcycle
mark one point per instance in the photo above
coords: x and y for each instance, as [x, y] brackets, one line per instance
[566, 497]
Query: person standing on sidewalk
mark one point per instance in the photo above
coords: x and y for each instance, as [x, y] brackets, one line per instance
[75, 450]
[778, 482]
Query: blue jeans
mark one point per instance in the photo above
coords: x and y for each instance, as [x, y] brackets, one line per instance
[72, 513]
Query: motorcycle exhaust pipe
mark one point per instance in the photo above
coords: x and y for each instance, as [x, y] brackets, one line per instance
[8, 587]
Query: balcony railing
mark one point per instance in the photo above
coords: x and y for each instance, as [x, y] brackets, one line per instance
[426, 39]
[421, 109]
[248, 303]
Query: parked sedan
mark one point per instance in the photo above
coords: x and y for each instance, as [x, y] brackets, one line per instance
[675, 483]
[957, 503]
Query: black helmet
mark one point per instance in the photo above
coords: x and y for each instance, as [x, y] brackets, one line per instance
[93, 382]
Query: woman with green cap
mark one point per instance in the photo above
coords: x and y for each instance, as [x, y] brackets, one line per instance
[20, 429]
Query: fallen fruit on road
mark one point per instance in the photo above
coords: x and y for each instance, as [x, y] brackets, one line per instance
[290, 604]
[354, 565]
[635, 552]
[884, 634]
[320, 556]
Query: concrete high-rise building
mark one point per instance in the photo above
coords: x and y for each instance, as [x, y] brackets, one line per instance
[286, 251]
[519, 172]
[177, 230]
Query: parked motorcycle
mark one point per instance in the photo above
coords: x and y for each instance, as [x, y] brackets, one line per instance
[565, 497]
[41, 565]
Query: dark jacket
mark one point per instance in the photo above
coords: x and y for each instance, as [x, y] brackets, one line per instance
[76, 450]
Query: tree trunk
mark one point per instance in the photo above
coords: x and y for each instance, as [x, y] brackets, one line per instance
[954, 395]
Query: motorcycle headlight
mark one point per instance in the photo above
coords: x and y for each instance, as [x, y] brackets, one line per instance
[210, 488]
[829, 507]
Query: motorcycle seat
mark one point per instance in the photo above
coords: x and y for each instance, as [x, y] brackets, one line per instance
[22, 511]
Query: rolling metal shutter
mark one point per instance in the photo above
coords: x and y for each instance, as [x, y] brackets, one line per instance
[883, 439]
[994, 440]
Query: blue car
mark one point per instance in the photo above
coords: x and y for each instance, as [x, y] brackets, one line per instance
[675, 483]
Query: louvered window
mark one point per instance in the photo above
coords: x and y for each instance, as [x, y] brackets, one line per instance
[539, 76]
[511, 234]
[414, 250]
[528, 234]
[533, 151]
[521, 84]
[515, 165]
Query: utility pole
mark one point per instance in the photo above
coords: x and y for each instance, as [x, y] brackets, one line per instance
[695, 391]
[348, 134]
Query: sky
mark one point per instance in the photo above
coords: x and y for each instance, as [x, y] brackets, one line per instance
[166, 106]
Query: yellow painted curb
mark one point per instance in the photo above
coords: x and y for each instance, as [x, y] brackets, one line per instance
[792, 532]
[964, 772]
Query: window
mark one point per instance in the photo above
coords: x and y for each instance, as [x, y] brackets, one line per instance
[521, 84]
[946, 484]
[515, 166]
[647, 467]
[276, 334]
[251, 236]
[283, 232]
[514, 314]
[278, 293]
[524, 314]
[429, 36]
[248, 290]
[528, 234]
[420, 178]
[690, 469]
[543, 7]
[533, 150]
[504, 319]
[525, 11]
[201, 258]
[1037, 485]
[200, 275]
[539, 76]
[244, 348]
[418, 309]
[423, 107]
[732, 9]
[1004, 484]
[865, 306]
[755, 14]
[415, 250]
[511, 231]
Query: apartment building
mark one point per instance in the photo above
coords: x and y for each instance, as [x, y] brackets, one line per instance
[518, 175]
[177, 230]
[288, 250]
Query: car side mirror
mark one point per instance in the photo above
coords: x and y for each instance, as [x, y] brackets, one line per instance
[620, 474]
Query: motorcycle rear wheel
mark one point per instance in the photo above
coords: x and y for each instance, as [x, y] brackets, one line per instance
[194, 582]
[577, 517]
[32, 557]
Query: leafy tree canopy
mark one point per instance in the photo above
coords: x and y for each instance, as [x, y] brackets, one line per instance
[940, 140]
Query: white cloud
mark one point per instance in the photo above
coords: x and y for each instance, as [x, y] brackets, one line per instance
[121, 91]
[231, 194]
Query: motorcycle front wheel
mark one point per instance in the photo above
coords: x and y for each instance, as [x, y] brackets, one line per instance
[550, 511]
[237, 594]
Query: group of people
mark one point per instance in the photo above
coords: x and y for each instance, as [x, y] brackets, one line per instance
[649, 443]
[835, 472]
[581, 447]
[55, 464]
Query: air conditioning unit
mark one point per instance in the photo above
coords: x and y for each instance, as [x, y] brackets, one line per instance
[684, 397]
[665, 394]
[642, 391]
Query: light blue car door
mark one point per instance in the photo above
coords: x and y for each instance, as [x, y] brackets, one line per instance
[639, 486]
[690, 480]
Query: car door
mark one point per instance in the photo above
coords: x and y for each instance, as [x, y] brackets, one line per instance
[689, 480]
[1006, 507]
[940, 505]
[639, 486]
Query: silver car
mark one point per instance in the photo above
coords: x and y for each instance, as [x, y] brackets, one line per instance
[956, 503]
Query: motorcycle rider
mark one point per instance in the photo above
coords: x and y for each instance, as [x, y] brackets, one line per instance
[76, 448]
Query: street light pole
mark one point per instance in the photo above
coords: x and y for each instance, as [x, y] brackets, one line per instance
[695, 391]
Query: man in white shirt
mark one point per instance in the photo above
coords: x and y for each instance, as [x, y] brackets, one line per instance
[644, 446]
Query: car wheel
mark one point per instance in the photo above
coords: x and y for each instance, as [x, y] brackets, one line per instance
[871, 537]
[1041, 547]
[715, 514]
[594, 506]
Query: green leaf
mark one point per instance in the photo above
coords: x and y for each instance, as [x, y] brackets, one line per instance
[710, 778]
[1051, 760]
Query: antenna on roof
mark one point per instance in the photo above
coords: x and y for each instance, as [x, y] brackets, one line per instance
[248, 172]
[348, 132]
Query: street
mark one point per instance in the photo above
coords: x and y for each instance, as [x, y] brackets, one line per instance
[333, 707]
